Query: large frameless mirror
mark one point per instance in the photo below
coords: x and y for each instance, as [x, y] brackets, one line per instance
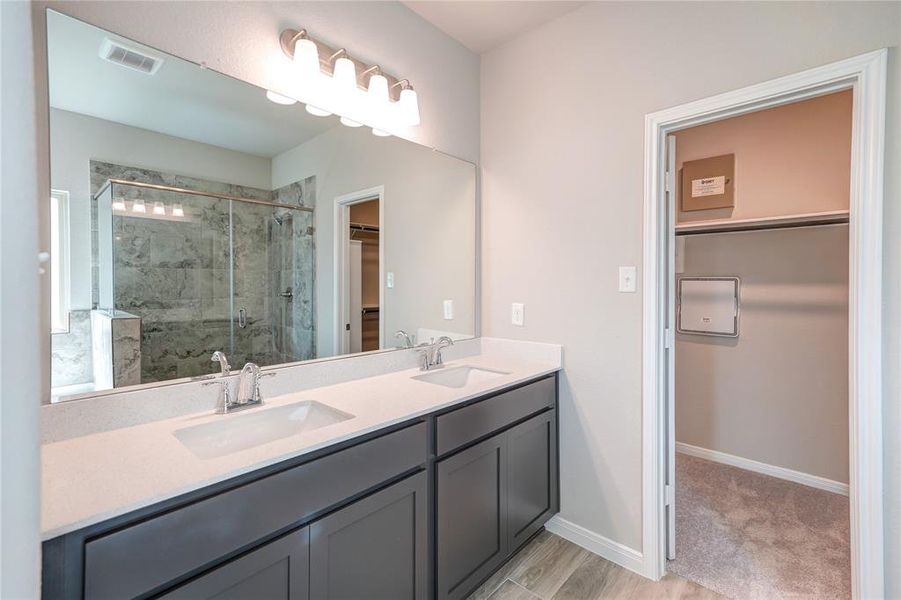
[190, 214]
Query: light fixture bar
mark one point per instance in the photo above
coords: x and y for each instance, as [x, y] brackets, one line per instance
[327, 56]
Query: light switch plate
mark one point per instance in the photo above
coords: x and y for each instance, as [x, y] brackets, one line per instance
[517, 314]
[389, 279]
[627, 276]
[448, 310]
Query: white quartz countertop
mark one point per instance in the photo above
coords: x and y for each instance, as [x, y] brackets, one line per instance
[94, 477]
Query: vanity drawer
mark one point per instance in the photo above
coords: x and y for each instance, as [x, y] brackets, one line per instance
[461, 426]
[140, 558]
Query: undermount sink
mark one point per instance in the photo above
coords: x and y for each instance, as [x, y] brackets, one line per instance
[239, 432]
[457, 377]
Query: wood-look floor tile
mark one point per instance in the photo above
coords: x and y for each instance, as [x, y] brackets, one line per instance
[549, 566]
[512, 591]
[590, 579]
[492, 583]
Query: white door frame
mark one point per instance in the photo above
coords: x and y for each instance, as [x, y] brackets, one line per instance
[341, 267]
[866, 75]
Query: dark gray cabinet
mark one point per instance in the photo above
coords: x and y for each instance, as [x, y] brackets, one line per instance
[531, 476]
[278, 570]
[471, 507]
[376, 548]
[491, 498]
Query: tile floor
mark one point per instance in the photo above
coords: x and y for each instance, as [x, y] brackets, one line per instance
[551, 568]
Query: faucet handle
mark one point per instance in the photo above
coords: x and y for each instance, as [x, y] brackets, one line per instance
[224, 393]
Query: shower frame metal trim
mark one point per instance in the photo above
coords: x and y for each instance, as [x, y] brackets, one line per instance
[170, 188]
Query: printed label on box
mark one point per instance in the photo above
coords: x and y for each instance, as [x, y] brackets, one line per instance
[708, 186]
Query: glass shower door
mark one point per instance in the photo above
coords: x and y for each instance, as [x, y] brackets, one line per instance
[273, 274]
[172, 267]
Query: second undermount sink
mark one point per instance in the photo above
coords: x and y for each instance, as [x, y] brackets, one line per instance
[231, 433]
[457, 377]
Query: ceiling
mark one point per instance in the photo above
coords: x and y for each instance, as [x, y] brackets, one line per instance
[181, 99]
[482, 26]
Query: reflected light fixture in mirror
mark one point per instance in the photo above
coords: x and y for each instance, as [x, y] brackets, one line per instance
[138, 206]
[280, 99]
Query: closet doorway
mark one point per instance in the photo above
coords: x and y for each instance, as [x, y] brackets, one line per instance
[360, 271]
[761, 352]
[864, 78]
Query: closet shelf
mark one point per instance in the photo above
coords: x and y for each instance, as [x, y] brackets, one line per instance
[725, 225]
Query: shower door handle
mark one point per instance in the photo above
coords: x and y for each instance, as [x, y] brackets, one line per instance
[242, 317]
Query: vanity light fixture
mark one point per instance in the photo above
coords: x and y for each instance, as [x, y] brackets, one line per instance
[177, 210]
[159, 208]
[118, 204]
[329, 81]
[317, 112]
[138, 206]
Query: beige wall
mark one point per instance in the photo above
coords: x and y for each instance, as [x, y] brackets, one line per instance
[778, 393]
[789, 160]
[562, 205]
[24, 344]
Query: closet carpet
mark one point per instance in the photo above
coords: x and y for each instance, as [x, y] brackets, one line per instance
[746, 535]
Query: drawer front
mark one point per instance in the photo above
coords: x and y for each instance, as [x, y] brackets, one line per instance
[471, 422]
[140, 558]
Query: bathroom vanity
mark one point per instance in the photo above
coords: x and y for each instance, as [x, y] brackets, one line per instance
[427, 507]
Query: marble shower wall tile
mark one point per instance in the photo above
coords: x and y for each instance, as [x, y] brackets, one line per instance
[70, 359]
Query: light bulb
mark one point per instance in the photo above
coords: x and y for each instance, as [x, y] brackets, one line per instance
[317, 112]
[380, 132]
[177, 210]
[280, 99]
[138, 206]
[345, 76]
[306, 57]
[350, 122]
[159, 208]
[409, 107]
[378, 89]
[118, 204]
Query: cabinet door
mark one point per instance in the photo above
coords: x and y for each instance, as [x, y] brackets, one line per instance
[277, 571]
[471, 507]
[531, 476]
[376, 548]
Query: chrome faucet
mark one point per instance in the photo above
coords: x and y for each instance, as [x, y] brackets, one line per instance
[430, 354]
[248, 386]
[225, 399]
[408, 339]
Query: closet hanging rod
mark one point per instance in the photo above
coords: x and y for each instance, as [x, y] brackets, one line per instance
[364, 227]
[761, 224]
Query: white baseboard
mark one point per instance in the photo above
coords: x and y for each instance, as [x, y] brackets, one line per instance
[758, 467]
[604, 547]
